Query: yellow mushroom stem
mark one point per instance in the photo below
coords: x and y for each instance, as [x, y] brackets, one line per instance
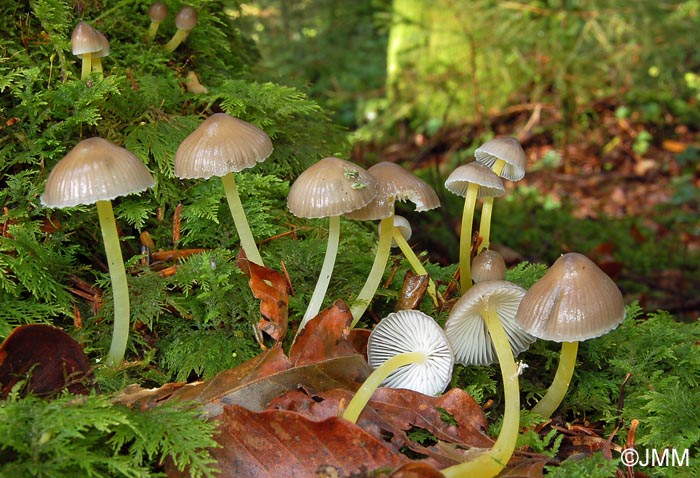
[120, 288]
[365, 392]
[240, 220]
[490, 463]
[487, 209]
[552, 399]
[86, 66]
[179, 37]
[375, 274]
[416, 264]
[465, 237]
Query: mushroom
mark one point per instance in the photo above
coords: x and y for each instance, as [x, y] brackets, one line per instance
[401, 233]
[220, 146]
[98, 55]
[330, 188]
[574, 301]
[394, 183]
[185, 21]
[488, 265]
[505, 156]
[97, 171]
[471, 181]
[157, 12]
[481, 323]
[85, 42]
[407, 349]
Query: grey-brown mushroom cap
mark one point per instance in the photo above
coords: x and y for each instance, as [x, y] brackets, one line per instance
[186, 18]
[574, 301]
[490, 184]
[488, 265]
[395, 183]
[104, 51]
[222, 144]
[331, 187]
[467, 330]
[158, 11]
[95, 170]
[85, 39]
[411, 331]
[509, 150]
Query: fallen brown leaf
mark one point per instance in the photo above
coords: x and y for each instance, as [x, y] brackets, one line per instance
[280, 443]
[325, 336]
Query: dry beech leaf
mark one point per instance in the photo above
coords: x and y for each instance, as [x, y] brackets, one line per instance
[51, 357]
[325, 336]
[391, 413]
[280, 443]
[412, 291]
[270, 287]
[416, 470]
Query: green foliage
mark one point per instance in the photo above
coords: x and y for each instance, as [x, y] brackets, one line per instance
[89, 436]
[597, 466]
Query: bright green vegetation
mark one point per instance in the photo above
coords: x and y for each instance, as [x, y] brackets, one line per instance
[198, 321]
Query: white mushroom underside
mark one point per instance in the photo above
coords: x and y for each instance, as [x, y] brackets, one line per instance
[408, 331]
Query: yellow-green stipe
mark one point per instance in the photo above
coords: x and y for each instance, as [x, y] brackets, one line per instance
[324, 277]
[489, 464]
[240, 220]
[120, 289]
[416, 264]
[178, 37]
[487, 209]
[375, 274]
[362, 396]
[86, 66]
[551, 400]
[152, 30]
[465, 238]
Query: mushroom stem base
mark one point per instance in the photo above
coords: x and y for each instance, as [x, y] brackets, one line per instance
[554, 396]
[489, 464]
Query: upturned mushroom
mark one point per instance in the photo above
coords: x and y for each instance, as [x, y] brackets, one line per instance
[407, 349]
[185, 21]
[394, 183]
[471, 181]
[329, 188]
[505, 156]
[157, 12]
[574, 301]
[481, 329]
[221, 146]
[96, 171]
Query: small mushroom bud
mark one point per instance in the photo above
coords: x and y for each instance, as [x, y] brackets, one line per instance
[185, 21]
[158, 12]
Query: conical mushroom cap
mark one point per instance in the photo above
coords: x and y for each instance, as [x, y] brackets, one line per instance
[158, 11]
[331, 187]
[412, 331]
[509, 150]
[490, 184]
[85, 39]
[395, 183]
[467, 330]
[95, 170]
[186, 18]
[222, 144]
[575, 300]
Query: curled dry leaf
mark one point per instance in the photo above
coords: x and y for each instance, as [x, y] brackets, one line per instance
[51, 359]
[326, 336]
[270, 287]
[412, 291]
